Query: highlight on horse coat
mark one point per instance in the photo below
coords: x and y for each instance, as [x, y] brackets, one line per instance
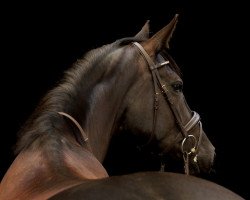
[148, 186]
[131, 83]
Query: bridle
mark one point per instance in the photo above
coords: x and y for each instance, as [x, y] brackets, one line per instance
[161, 87]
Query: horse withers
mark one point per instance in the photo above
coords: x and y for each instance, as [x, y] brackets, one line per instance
[132, 82]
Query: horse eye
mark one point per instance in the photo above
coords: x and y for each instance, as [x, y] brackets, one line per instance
[177, 87]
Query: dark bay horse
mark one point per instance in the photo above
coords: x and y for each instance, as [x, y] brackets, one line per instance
[133, 83]
[148, 186]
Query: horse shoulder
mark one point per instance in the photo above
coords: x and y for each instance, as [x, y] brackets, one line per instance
[37, 175]
[83, 163]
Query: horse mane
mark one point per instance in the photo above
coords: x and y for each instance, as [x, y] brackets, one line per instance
[44, 119]
[45, 122]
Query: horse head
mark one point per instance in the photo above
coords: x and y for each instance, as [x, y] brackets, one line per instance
[156, 105]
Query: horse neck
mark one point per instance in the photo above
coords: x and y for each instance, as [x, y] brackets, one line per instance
[107, 105]
[93, 93]
[96, 103]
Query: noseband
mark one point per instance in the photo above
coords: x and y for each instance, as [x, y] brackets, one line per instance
[160, 87]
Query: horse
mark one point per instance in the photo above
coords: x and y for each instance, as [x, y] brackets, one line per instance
[148, 186]
[132, 83]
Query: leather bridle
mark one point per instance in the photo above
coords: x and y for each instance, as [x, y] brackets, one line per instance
[161, 87]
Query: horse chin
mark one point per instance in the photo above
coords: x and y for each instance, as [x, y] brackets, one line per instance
[203, 166]
[174, 161]
[199, 169]
[196, 169]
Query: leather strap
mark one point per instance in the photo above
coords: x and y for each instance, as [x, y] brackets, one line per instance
[83, 137]
[159, 85]
[158, 81]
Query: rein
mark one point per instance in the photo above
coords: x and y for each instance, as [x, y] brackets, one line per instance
[82, 137]
[160, 87]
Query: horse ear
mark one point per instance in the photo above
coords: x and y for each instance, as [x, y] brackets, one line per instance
[144, 32]
[161, 38]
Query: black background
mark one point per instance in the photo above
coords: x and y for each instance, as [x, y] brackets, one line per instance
[40, 41]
